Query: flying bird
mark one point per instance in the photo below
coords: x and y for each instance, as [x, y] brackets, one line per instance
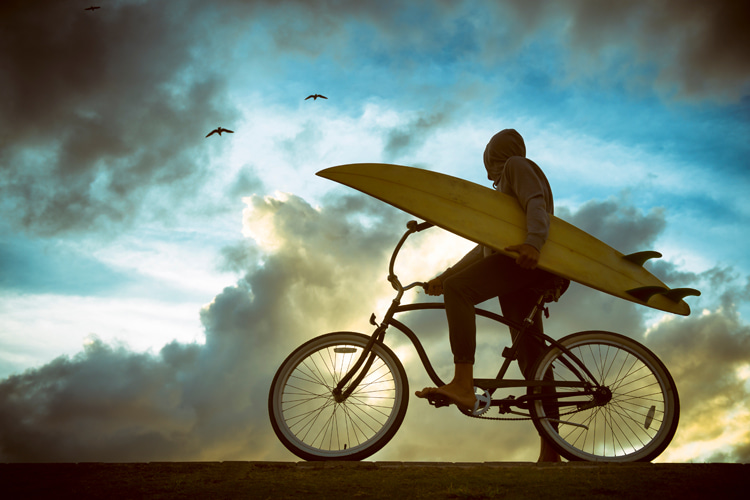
[219, 131]
[92, 8]
[315, 97]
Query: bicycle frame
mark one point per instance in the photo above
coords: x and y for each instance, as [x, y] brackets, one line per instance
[588, 384]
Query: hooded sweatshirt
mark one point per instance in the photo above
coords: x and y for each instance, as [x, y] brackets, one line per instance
[514, 174]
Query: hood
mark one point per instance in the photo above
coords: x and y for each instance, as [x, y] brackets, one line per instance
[502, 146]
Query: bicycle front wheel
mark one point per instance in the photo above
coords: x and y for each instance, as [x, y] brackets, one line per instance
[310, 422]
[633, 418]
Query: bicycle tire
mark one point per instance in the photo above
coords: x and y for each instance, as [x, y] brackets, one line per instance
[635, 425]
[312, 425]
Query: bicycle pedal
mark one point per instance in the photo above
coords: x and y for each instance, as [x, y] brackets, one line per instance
[439, 400]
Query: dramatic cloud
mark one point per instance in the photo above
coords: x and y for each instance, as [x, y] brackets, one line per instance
[691, 49]
[402, 139]
[208, 401]
[620, 226]
[106, 404]
[102, 114]
[709, 358]
[105, 112]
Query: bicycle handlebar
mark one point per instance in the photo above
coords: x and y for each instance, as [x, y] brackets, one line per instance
[415, 284]
[417, 227]
[412, 227]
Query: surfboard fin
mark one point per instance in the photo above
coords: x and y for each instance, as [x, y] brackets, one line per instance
[677, 294]
[640, 258]
[646, 292]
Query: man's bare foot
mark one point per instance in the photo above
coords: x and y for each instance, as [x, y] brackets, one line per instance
[462, 396]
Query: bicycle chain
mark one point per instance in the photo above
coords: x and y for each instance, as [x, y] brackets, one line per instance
[482, 417]
[471, 414]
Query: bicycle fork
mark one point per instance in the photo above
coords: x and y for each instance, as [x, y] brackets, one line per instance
[364, 363]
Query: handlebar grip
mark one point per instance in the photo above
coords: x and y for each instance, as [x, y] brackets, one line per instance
[423, 284]
[412, 224]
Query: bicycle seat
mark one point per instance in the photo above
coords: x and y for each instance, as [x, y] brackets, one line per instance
[552, 289]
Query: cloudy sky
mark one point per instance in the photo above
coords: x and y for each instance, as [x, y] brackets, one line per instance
[153, 279]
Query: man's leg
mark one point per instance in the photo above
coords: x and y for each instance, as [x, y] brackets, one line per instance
[493, 276]
[517, 307]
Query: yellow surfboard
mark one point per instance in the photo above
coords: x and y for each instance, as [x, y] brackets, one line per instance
[489, 217]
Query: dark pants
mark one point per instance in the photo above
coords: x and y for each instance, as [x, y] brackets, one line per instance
[494, 276]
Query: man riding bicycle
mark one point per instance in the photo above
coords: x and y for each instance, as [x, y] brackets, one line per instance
[483, 273]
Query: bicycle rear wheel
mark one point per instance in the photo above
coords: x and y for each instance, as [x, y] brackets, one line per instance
[312, 424]
[636, 423]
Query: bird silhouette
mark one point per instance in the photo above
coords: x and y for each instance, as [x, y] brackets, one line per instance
[315, 97]
[219, 130]
[92, 8]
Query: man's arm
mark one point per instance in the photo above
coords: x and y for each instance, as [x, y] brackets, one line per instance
[530, 191]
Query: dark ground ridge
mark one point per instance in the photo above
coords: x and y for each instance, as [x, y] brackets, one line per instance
[342, 480]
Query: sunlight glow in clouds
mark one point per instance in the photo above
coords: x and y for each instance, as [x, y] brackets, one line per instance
[259, 225]
[709, 437]
[52, 326]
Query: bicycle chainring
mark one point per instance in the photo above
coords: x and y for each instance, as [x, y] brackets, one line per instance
[482, 404]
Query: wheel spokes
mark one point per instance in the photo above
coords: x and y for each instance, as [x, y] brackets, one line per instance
[627, 422]
[315, 418]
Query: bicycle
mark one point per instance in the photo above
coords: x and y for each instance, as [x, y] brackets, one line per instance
[594, 395]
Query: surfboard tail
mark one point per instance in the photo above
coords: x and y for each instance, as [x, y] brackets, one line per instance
[645, 293]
